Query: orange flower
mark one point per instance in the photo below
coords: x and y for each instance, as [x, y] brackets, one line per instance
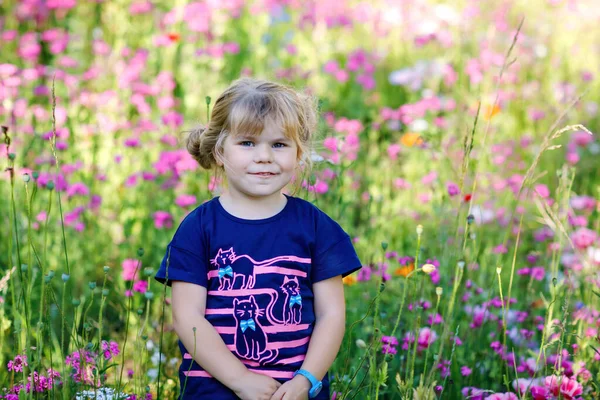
[173, 36]
[410, 139]
[404, 270]
[490, 111]
[349, 280]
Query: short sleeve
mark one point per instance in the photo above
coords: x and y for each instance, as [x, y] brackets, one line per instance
[334, 253]
[185, 259]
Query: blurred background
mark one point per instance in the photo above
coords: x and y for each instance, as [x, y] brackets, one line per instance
[475, 119]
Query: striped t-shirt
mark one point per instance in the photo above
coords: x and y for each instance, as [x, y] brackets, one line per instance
[259, 276]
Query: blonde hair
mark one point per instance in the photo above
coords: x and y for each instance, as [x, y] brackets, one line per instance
[245, 107]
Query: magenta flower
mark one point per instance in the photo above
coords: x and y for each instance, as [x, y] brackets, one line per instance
[465, 371]
[503, 396]
[453, 189]
[162, 219]
[110, 349]
[140, 286]
[18, 363]
[539, 393]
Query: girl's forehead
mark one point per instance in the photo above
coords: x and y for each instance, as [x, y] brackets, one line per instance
[268, 132]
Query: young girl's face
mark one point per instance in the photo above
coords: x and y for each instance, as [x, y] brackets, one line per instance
[260, 166]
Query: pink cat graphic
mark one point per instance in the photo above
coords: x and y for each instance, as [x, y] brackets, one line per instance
[242, 275]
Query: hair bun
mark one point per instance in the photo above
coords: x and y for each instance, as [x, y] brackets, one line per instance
[198, 148]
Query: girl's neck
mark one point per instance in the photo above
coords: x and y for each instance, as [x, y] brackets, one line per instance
[244, 207]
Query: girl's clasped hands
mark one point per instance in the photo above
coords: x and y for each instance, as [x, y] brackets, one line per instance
[252, 386]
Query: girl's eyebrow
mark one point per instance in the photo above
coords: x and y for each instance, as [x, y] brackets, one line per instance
[279, 139]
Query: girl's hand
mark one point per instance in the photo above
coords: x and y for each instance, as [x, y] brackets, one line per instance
[252, 386]
[295, 389]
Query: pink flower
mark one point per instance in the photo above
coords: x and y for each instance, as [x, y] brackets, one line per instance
[583, 238]
[542, 191]
[538, 273]
[570, 388]
[552, 384]
[429, 178]
[426, 337]
[162, 219]
[185, 200]
[331, 144]
[129, 269]
[400, 183]
[582, 138]
[465, 371]
[393, 151]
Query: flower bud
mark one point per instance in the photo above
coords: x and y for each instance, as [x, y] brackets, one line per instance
[26, 178]
[149, 295]
[106, 269]
[470, 219]
[140, 252]
[419, 229]
[361, 344]
[438, 291]
[76, 302]
[428, 268]
[35, 174]
[498, 270]
[65, 277]
[12, 156]
[105, 292]
[384, 245]
[50, 185]
[92, 285]
[461, 264]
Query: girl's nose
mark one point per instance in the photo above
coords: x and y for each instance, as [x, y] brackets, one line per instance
[263, 153]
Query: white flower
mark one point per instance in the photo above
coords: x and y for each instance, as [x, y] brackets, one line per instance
[155, 358]
[418, 125]
[101, 394]
[152, 373]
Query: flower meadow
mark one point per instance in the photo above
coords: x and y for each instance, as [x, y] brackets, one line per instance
[457, 145]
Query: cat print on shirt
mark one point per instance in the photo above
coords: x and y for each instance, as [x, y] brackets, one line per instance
[239, 271]
[242, 271]
[292, 307]
[250, 339]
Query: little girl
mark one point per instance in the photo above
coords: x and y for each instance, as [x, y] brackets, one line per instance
[256, 274]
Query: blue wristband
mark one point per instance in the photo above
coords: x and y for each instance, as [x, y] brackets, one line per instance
[317, 385]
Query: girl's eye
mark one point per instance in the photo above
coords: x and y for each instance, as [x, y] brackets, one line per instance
[245, 142]
[282, 145]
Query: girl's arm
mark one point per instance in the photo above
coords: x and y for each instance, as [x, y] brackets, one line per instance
[330, 314]
[189, 306]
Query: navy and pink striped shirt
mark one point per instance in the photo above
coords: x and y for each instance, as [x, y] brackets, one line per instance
[259, 276]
